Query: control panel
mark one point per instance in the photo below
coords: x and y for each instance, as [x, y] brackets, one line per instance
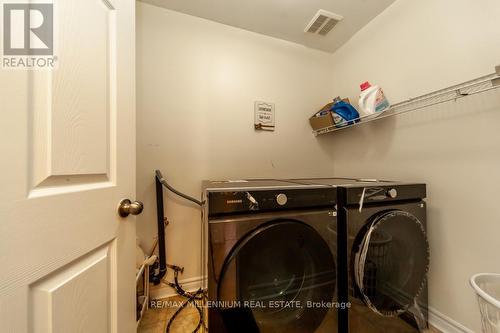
[373, 194]
[269, 200]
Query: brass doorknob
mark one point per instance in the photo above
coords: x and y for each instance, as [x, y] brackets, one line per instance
[127, 207]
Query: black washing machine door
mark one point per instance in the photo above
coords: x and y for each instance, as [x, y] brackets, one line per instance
[391, 260]
[270, 276]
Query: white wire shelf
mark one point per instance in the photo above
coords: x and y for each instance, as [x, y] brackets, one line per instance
[476, 86]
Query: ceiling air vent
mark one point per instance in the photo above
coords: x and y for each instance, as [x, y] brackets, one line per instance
[323, 22]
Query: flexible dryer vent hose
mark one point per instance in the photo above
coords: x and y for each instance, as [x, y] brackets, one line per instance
[191, 298]
[173, 190]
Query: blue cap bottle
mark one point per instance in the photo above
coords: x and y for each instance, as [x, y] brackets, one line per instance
[343, 113]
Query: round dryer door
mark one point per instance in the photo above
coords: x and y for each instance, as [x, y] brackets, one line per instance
[391, 260]
[270, 276]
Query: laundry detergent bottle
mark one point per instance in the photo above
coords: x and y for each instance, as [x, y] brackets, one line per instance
[343, 113]
[372, 100]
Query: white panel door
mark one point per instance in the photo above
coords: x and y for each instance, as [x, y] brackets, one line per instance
[67, 139]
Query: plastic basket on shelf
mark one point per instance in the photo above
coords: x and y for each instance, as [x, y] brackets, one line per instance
[487, 288]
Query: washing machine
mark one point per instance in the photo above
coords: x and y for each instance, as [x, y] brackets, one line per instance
[384, 240]
[272, 257]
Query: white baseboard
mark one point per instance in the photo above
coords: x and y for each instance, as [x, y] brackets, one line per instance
[445, 324]
[163, 290]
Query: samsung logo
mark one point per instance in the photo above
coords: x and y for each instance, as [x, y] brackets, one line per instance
[234, 201]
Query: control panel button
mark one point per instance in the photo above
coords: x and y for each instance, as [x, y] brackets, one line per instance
[281, 199]
[392, 193]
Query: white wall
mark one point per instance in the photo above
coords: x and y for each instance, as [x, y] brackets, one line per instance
[196, 85]
[412, 48]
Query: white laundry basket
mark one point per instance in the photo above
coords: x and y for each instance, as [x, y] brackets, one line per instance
[487, 287]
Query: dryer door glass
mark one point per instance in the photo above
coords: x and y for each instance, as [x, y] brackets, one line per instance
[274, 276]
[391, 260]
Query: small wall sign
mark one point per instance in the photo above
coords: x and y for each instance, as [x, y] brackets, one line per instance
[264, 116]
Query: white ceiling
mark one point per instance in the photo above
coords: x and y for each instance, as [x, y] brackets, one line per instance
[284, 19]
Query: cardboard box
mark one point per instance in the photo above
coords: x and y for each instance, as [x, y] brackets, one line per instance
[321, 122]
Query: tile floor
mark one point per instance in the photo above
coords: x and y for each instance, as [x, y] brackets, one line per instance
[155, 319]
